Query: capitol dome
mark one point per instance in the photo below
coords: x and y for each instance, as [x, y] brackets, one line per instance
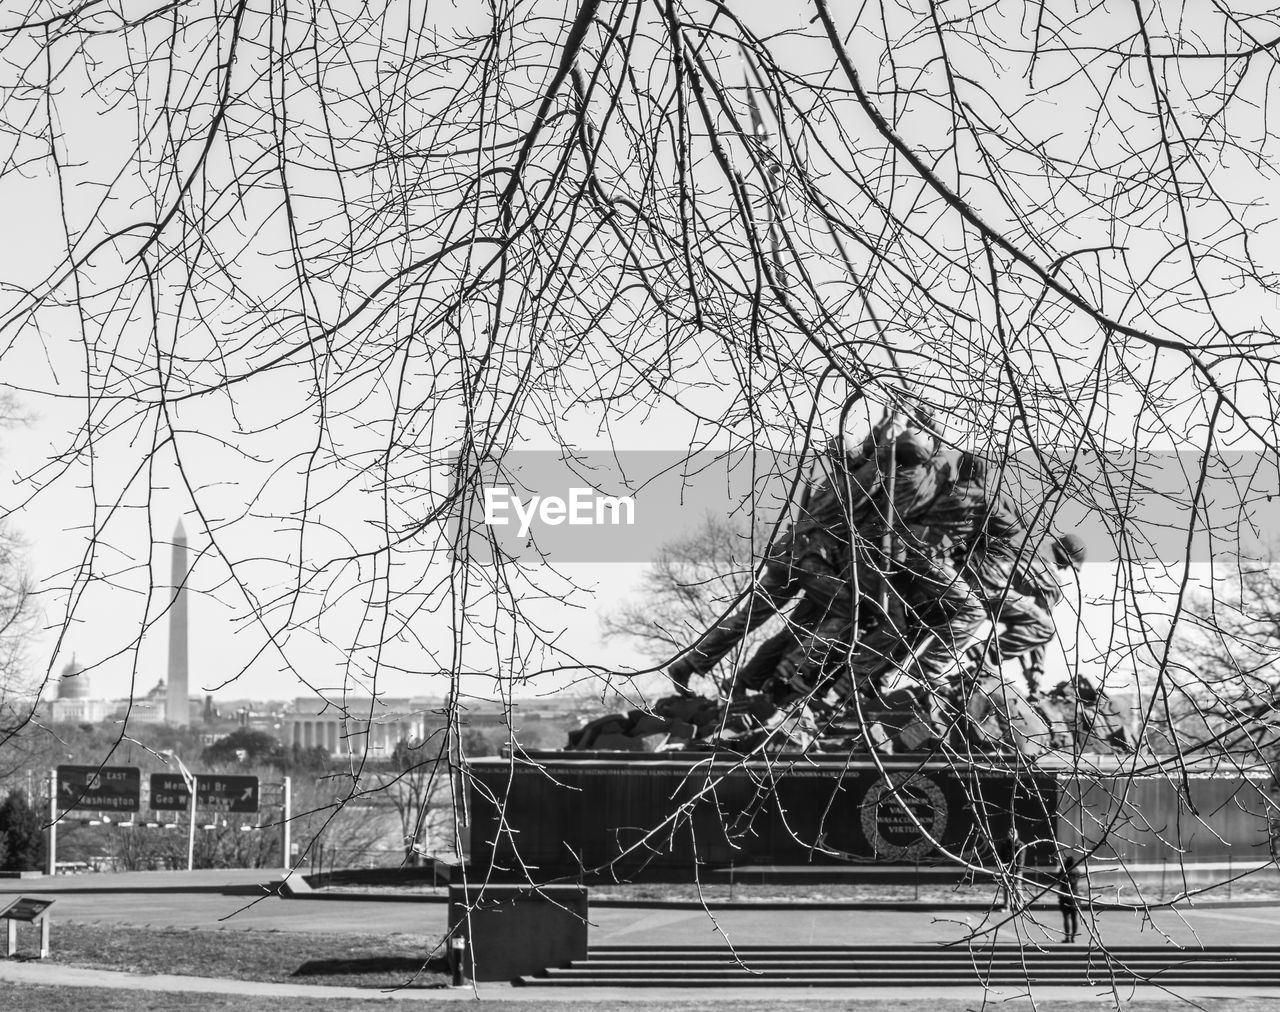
[74, 683]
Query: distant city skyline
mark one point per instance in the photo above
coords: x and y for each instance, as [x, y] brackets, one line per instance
[86, 688]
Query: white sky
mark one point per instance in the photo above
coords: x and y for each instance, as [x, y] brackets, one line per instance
[138, 497]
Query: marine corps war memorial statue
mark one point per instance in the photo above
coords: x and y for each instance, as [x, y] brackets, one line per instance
[900, 714]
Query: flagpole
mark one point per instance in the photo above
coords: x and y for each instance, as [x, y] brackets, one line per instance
[761, 132]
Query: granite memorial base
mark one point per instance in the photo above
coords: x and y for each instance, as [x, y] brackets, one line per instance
[597, 818]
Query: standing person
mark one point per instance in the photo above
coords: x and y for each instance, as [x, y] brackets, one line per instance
[1013, 860]
[1068, 886]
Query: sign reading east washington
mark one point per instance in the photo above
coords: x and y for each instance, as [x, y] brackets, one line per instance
[214, 792]
[100, 788]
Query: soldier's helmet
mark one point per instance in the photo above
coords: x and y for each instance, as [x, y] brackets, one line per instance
[971, 469]
[1085, 692]
[914, 448]
[921, 417]
[1069, 550]
[881, 435]
[909, 432]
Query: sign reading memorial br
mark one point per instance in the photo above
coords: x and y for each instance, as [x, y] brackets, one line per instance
[101, 788]
[214, 792]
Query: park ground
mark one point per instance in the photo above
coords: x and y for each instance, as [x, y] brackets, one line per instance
[217, 940]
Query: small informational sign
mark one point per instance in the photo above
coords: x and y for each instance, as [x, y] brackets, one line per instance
[29, 909]
[100, 788]
[25, 908]
[214, 792]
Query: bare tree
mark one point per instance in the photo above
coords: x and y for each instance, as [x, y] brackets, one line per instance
[17, 616]
[221, 841]
[897, 215]
[331, 829]
[19, 687]
[1228, 678]
[692, 583]
[315, 273]
[418, 786]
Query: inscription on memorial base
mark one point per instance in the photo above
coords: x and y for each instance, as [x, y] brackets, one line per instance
[904, 816]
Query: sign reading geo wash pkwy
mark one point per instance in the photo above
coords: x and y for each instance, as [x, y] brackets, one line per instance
[214, 792]
[99, 788]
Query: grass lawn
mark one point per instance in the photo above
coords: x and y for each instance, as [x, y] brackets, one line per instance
[328, 958]
[39, 998]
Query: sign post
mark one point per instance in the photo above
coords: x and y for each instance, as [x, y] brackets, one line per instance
[191, 828]
[191, 834]
[53, 822]
[285, 816]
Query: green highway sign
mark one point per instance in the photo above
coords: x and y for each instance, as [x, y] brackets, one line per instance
[99, 788]
[214, 792]
[227, 793]
[169, 793]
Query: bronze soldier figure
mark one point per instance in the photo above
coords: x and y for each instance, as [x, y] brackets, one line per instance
[812, 556]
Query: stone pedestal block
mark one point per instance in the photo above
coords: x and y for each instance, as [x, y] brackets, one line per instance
[512, 930]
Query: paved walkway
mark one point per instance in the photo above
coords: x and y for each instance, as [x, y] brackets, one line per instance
[205, 880]
[797, 926]
[49, 973]
[1238, 925]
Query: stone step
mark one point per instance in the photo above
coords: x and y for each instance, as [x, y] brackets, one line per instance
[1063, 953]
[907, 981]
[900, 966]
[936, 949]
[1064, 948]
[929, 971]
[914, 966]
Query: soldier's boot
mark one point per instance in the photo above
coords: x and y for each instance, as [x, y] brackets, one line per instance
[792, 728]
[924, 731]
[680, 671]
[937, 711]
[748, 715]
[879, 654]
[943, 652]
[787, 685]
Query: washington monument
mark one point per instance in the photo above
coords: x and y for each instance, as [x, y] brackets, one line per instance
[177, 709]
